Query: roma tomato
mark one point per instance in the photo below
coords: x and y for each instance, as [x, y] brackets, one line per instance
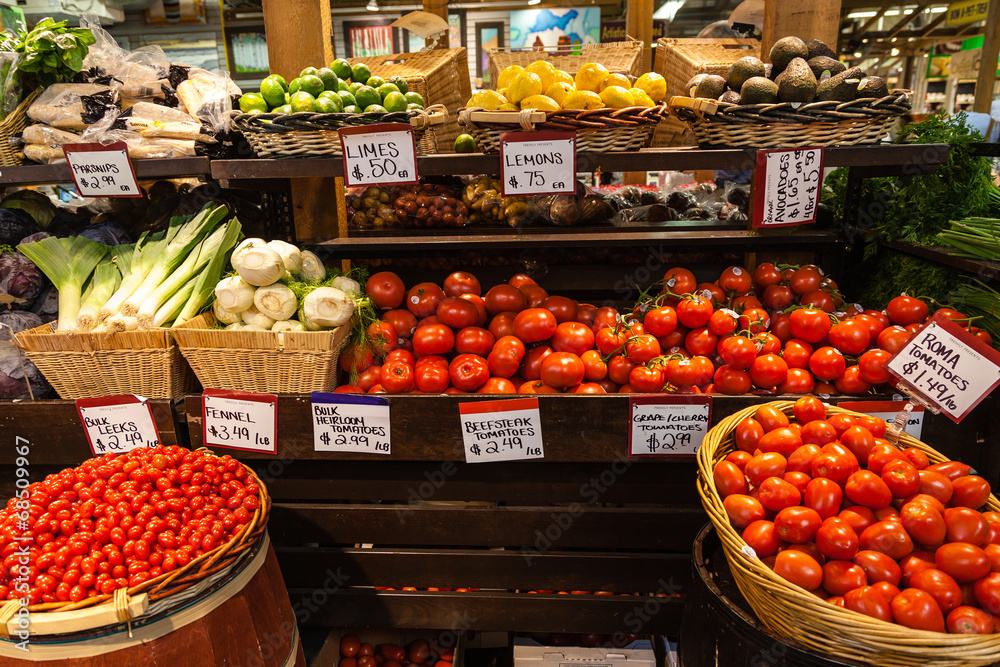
[964, 562]
[781, 440]
[966, 525]
[729, 479]
[742, 510]
[966, 620]
[836, 467]
[468, 372]
[915, 562]
[776, 494]
[867, 489]
[763, 538]
[917, 609]
[860, 441]
[801, 459]
[935, 484]
[987, 592]
[841, 576]
[823, 496]
[858, 517]
[970, 491]
[888, 537]
[798, 524]
[799, 568]
[879, 567]
[385, 289]
[837, 540]
[901, 477]
[809, 408]
[748, 433]
[923, 523]
[942, 587]
[870, 601]
[819, 432]
[764, 465]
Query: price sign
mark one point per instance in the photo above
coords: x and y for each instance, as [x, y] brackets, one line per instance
[786, 187]
[383, 154]
[117, 424]
[946, 367]
[887, 410]
[538, 163]
[668, 425]
[102, 170]
[349, 423]
[240, 420]
[505, 430]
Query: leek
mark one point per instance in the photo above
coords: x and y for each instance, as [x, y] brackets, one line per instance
[172, 307]
[102, 285]
[140, 262]
[204, 289]
[67, 263]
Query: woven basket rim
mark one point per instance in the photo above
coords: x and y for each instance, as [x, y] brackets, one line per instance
[896, 103]
[75, 341]
[592, 119]
[279, 123]
[323, 341]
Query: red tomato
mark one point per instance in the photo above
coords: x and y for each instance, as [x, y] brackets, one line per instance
[850, 337]
[350, 644]
[742, 510]
[904, 310]
[385, 289]
[964, 562]
[915, 562]
[355, 358]
[818, 432]
[805, 280]
[841, 576]
[754, 320]
[585, 314]
[506, 356]
[660, 321]
[924, 523]
[888, 537]
[573, 337]
[619, 369]
[735, 279]
[536, 387]
[521, 279]
[809, 324]
[891, 339]
[505, 298]
[768, 370]
[531, 366]
[881, 455]
[901, 477]
[732, 381]
[878, 567]
[382, 337]
[562, 370]
[764, 465]
[468, 372]
[916, 609]
[836, 539]
[562, 308]
[594, 368]
[871, 366]
[969, 621]
[747, 435]
[460, 283]
[396, 377]
[694, 312]
[776, 494]
[970, 491]
[502, 325]
[433, 339]
[778, 297]
[480, 305]
[738, 352]
[740, 458]
[827, 363]
[678, 281]
[763, 538]
[917, 458]
[423, 299]
[870, 601]
[432, 378]
[799, 480]
[987, 592]
[473, 340]
[766, 274]
[534, 324]
[723, 322]
[799, 568]
[801, 459]
[867, 489]
[642, 349]
[850, 382]
[701, 341]
[798, 524]
[457, 313]
[605, 317]
[951, 469]
[534, 294]
[497, 386]
[943, 588]
[646, 380]
[368, 377]
[402, 321]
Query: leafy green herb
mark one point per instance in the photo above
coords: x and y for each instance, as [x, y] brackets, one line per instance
[51, 52]
[894, 272]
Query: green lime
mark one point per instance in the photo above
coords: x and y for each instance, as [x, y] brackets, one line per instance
[272, 91]
[367, 96]
[284, 108]
[330, 80]
[341, 68]
[375, 108]
[329, 105]
[346, 98]
[411, 106]
[303, 101]
[360, 73]
[343, 85]
[328, 93]
[311, 84]
[288, 98]
[308, 71]
[464, 143]
[387, 88]
[352, 108]
[354, 87]
[253, 102]
[399, 82]
[374, 81]
[414, 98]
[280, 79]
[394, 101]
[294, 86]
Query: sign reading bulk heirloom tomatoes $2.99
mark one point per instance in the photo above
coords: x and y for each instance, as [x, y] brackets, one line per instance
[786, 187]
[382, 154]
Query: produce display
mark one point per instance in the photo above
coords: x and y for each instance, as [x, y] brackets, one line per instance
[339, 88]
[420, 652]
[118, 521]
[541, 86]
[833, 507]
[800, 71]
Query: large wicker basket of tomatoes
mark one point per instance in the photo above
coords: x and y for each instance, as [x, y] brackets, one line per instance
[851, 545]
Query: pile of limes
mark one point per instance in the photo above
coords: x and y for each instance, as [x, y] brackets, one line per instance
[339, 88]
[541, 86]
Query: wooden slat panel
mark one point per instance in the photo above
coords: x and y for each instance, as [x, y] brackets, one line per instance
[305, 567]
[144, 170]
[564, 527]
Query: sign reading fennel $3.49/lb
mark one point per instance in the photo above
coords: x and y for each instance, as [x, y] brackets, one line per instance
[382, 154]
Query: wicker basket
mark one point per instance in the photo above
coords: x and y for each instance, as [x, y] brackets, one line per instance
[311, 135]
[788, 125]
[14, 124]
[288, 362]
[795, 613]
[618, 57]
[441, 76]
[597, 130]
[87, 365]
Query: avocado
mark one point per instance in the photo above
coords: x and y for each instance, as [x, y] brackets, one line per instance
[693, 84]
[797, 83]
[730, 97]
[818, 48]
[759, 90]
[743, 69]
[785, 50]
[769, 71]
[823, 67]
[841, 87]
[872, 86]
[711, 87]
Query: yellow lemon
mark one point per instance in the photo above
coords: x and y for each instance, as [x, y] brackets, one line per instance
[507, 75]
[617, 97]
[559, 90]
[591, 76]
[540, 102]
[582, 99]
[487, 99]
[641, 98]
[616, 79]
[654, 85]
[523, 86]
[565, 76]
[545, 71]
[508, 107]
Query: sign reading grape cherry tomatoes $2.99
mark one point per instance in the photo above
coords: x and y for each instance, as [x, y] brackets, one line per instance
[538, 163]
[117, 424]
[946, 367]
[503, 430]
[240, 420]
[786, 187]
[382, 154]
[102, 170]
[668, 425]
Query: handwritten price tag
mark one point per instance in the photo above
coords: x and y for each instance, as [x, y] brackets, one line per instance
[346, 423]
[102, 170]
[538, 163]
[947, 367]
[887, 411]
[668, 425]
[505, 430]
[383, 154]
[117, 424]
[240, 420]
[786, 187]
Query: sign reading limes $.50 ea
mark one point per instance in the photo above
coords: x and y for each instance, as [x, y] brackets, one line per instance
[383, 154]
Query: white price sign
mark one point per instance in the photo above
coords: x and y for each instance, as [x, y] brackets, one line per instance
[102, 170]
[668, 425]
[538, 163]
[946, 367]
[786, 187]
[350, 423]
[240, 420]
[117, 424]
[887, 411]
[383, 154]
[504, 430]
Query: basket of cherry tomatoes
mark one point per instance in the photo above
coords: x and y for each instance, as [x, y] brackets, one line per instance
[852, 545]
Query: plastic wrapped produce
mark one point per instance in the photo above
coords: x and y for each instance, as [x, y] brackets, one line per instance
[371, 207]
[428, 205]
[487, 206]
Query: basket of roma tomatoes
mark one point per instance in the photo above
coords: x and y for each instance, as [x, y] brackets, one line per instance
[851, 545]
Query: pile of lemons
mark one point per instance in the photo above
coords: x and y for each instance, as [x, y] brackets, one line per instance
[541, 86]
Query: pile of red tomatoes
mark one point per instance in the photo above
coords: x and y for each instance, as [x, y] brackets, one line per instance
[833, 507]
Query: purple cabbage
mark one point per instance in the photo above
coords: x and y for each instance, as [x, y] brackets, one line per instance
[15, 225]
[19, 277]
[47, 305]
[16, 372]
[107, 233]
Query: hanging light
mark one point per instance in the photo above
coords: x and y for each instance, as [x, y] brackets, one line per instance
[534, 2]
[372, 5]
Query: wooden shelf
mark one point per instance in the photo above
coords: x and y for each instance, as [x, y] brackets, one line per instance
[982, 268]
[37, 174]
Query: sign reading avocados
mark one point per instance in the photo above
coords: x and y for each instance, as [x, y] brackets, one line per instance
[786, 187]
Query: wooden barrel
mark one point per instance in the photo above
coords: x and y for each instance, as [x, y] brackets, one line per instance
[720, 630]
[246, 621]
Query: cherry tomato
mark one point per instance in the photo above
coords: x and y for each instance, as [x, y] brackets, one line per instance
[917, 609]
[385, 289]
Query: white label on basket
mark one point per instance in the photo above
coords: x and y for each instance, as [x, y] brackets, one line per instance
[117, 424]
[502, 430]
[887, 410]
[350, 423]
[102, 170]
[537, 163]
[748, 551]
[668, 425]
[383, 154]
[786, 187]
[240, 420]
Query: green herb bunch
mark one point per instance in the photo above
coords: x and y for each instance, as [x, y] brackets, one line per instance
[51, 52]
